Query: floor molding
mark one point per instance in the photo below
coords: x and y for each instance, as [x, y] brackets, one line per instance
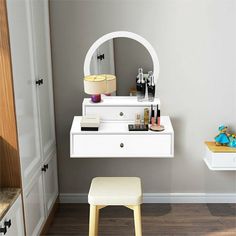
[163, 198]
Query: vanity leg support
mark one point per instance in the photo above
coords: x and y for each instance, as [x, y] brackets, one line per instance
[93, 220]
[137, 220]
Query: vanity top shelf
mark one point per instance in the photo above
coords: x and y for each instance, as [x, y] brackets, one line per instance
[120, 101]
[120, 127]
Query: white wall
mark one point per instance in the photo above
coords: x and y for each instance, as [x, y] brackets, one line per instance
[196, 45]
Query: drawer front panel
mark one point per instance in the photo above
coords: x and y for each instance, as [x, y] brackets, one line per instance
[117, 113]
[221, 160]
[121, 146]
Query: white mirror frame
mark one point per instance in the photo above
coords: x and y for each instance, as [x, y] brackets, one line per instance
[124, 34]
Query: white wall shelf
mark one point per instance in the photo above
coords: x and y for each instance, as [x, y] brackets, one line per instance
[113, 139]
[220, 157]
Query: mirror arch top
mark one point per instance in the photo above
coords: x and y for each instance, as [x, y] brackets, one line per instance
[124, 34]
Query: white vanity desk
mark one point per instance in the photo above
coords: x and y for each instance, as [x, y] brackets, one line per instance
[113, 138]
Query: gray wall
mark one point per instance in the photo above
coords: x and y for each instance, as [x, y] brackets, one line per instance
[196, 45]
[129, 55]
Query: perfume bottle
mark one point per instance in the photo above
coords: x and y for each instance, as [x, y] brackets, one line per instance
[151, 86]
[140, 85]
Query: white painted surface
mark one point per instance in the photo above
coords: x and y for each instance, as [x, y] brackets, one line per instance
[34, 206]
[15, 215]
[20, 30]
[50, 183]
[42, 59]
[116, 108]
[107, 141]
[220, 161]
[125, 34]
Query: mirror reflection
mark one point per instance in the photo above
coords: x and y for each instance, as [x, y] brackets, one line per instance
[122, 57]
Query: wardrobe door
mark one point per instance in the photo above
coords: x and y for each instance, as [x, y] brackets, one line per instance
[42, 52]
[24, 87]
[34, 205]
[50, 182]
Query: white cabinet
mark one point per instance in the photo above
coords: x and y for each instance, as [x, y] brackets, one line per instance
[117, 108]
[34, 205]
[32, 77]
[113, 139]
[220, 157]
[12, 223]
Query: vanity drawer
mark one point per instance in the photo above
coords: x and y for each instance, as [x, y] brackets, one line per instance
[117, 113]
[136, 145]
[221, 160]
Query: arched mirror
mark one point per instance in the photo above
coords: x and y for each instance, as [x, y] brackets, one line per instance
[122, 54]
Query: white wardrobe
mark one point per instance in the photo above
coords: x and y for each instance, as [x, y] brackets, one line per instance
[32, 76]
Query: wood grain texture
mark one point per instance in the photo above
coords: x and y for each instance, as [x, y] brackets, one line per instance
[157, 219]
[9, 154]
[212, 146]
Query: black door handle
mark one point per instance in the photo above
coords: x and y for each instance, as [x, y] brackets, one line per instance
[7, 223]
[39, 81]
[44, 168]
[3, 230]
[101, 57]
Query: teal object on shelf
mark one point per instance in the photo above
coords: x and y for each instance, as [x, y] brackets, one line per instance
[222, 138]
[232, 141]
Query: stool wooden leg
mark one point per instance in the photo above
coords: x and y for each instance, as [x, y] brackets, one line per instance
[137, 220]
[93, 221]
[97, 221]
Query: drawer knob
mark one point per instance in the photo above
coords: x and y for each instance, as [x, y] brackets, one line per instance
[121, 145]
[121, 113]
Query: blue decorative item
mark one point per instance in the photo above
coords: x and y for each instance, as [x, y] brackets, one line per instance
[223, 137]
[232, 142]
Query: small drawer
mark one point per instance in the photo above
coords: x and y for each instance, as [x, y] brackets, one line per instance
[122, 145]
[221, 160]
[116, 113]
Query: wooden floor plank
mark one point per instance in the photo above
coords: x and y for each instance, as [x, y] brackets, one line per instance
[157, 219]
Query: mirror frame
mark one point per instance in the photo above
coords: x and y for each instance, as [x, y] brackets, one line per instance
[122, 34]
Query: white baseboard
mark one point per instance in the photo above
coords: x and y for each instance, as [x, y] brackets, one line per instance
[162, 198]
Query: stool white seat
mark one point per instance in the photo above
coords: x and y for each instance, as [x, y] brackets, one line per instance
[125, 191]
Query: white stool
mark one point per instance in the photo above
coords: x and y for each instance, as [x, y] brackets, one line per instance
[115, 191]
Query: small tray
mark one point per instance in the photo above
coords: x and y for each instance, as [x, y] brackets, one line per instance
[135, 127]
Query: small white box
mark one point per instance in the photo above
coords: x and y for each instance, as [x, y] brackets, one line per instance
[90, 122]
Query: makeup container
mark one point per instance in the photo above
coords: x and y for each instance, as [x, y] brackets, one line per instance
[140, 85]
[146, 116]
[137, 119]
[158, 117]
[152, 119]
[151, 86]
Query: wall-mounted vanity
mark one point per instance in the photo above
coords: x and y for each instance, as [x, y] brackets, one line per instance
[113, 139]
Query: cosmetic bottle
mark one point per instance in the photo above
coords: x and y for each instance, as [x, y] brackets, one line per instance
[140, 85]
[158, 117]
[152, 119]
[146, 116]
[137, 119]
[151, 86]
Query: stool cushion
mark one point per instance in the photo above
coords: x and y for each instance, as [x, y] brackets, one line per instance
[115, 191]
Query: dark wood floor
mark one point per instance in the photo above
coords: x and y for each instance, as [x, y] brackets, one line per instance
[157, 219]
